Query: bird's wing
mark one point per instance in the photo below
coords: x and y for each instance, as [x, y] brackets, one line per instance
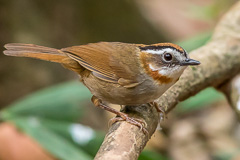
[113, 62]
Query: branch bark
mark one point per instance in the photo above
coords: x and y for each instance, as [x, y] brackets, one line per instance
[220, 61]
[126, 141]
[232, 91]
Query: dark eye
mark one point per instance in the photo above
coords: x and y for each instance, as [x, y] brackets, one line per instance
[167, 57]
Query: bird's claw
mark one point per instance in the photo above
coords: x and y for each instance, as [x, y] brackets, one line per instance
[134, 121]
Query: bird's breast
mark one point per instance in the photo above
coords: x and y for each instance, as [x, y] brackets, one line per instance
[114, 93]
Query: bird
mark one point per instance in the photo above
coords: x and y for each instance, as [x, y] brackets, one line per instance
[116, 72]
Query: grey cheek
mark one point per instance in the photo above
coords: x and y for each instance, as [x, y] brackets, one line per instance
[158, 62]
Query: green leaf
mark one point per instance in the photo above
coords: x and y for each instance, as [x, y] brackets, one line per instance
[151, 155]
[62, 102]
[227, 155]
[203, 98]
[85, 137]
[55, 144]
[211, 11]
[195, 42]
[54, 109]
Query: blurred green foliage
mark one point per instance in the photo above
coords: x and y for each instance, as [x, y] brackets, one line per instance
[62, 102]
[50, 116]
[151, 155]
[202, 99]
[195, 42]
[227, 155]
[56, 144]
[211, 11]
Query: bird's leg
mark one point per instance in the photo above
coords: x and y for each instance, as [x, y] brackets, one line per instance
[159, 109]
[122, 116]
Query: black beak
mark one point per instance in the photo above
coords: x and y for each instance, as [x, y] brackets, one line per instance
[189, 62]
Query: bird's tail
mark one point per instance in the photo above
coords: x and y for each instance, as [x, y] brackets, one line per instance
[34, 51]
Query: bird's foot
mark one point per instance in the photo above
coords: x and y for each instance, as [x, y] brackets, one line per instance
[121, 116]
[159, 109]
[134, 121]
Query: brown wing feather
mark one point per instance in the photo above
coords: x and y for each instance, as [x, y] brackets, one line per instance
[108, 61]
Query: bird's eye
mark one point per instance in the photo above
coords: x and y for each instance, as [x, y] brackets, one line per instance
[167, 57]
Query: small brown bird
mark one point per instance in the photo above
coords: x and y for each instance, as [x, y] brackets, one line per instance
[117, 73]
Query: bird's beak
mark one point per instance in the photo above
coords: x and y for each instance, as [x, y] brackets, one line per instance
[188, 61]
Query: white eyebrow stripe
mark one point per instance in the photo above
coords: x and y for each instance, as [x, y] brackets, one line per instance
[159, 51]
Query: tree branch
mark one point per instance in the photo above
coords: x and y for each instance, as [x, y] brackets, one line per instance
[232, 91]
[126, 141]
[220, 61]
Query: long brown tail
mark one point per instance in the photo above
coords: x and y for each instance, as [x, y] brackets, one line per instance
[34, 51]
